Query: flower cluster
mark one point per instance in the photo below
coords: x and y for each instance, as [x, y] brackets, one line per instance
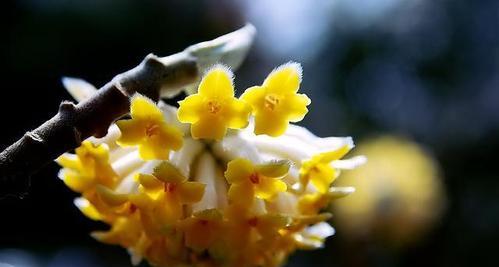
[220, 181]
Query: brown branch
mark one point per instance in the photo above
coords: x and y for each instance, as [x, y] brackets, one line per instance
[92, 117]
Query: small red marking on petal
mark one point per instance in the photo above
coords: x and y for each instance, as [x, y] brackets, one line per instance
[254, 178]
[152, 130]
[170, 187]
[253, 221]
[133, 208]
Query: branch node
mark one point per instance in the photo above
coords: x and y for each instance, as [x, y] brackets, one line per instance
[66, 107]
[153, 77]
[34, 137]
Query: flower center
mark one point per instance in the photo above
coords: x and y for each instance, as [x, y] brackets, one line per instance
[132, 208]
[203, 222]
[213, 106]
[271, 101]
[170, 187]
[253, 221]
[254, 178]
[152, 130]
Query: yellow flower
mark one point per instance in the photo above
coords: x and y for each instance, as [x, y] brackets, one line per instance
[276, 102]
[248, 180]
[203, 229]
[149, 130]
[242, 222]
[319, 171]
[214, 108]
[125, 231]
[89, 167]
[310, 204]
[167, 190]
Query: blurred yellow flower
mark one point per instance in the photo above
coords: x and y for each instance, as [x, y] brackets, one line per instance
[399, 193]
[148, 130]
[214, 108]
[275, 103]
[87, 168]
[247, 180]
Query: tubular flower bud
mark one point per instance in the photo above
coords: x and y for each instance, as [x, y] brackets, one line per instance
[245, 197]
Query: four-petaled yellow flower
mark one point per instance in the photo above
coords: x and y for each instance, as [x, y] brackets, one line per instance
[167, 190]
[214, 108]
[243, 221]
[248, 180]
[203, 229]
[149, 130]
[89, 167]
[318, 169]
[276, 102]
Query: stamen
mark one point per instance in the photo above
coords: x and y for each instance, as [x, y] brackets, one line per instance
[254, 178]
[253, 221]
[132, 208]
[271, 101]
[152, 130]
[213, 106]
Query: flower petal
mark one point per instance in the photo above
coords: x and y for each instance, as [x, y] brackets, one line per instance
[296, 106]
[109, 197]
[274, 169]
[327, 157]
[255, 97]
[269, 224]
[270, 125]
[323, 177]
[217, 83]
[152, 149]
[149, 182]
[267, 188]
[132, 132]
[239, 170]
[241, 194]
[237, 114]
[190, 108]
[75, 181]
[310, 204]
[171, 137]
[143, 108]
[207, 128]
[209, 214]
[191, 192]
[69, 161]
[158, 146]
[284, 79]
[168, 173]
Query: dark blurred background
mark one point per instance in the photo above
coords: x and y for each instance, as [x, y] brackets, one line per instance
[427, 70]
